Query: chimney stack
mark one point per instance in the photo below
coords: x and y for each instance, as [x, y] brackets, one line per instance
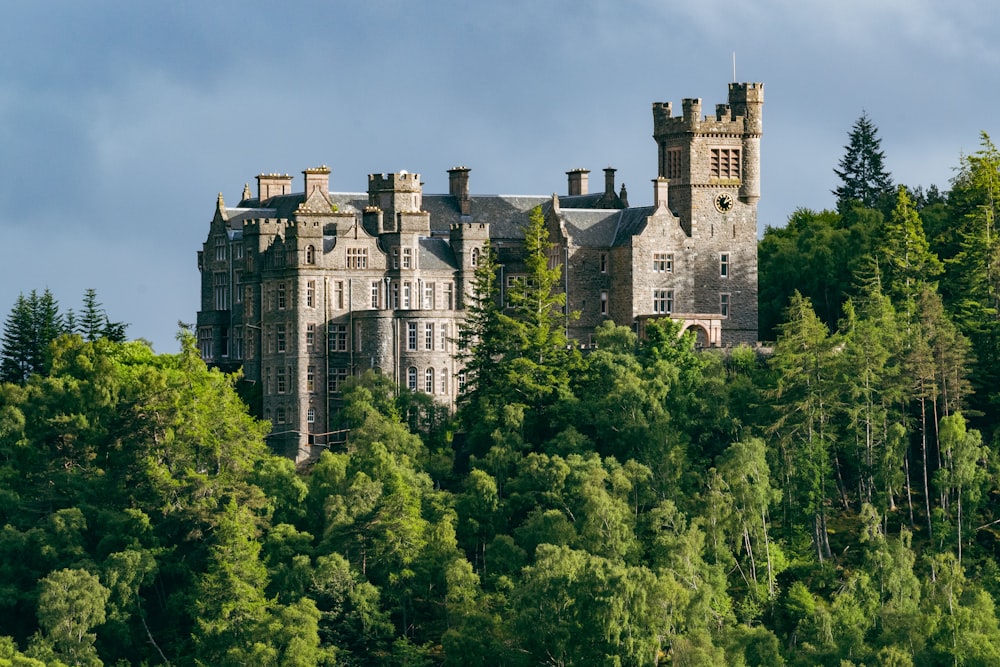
[458, 187]
[317, 178]
[660, 186]
[578, 181]
[609, 180]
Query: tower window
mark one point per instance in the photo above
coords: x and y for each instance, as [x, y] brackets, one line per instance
[428, 335]
[338, 338]
[375, 291]
[310, 294]
[724, 265]
[281, 338]
[604, 302]
[672, 168]
[475, 257]
[724, 305]
[282, 296]
[311, 378]
[725, 163]
[310, 336]
[407, 258]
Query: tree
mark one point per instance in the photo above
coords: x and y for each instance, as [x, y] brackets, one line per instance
[33, 323]
[71, 602]
[94, 322]
[864, 179]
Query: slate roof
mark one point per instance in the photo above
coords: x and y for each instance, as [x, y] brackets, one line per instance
[631, 222]
[435, 254]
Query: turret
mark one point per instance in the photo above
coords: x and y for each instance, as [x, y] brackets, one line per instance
[747, 100]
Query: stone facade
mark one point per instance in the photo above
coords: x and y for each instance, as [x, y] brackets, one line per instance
[304, 289]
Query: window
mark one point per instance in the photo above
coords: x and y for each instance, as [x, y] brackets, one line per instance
[375, 295]
[407, 258]
[224, 342]
[672, 168]
[429, 380]
[238, 251]
[282, 342]
[444, 380]
[395, 258]
[725, 163]
[311, 416]
[604, 262]
[220, 248]
[310, 254]
[428, 296]
[724, 264]
[461, 381]
[338, 338]
[429, 336]
[281, 414]
[663, 262]
[310, 336]
[475, 257]
[282, 296]
[336, 379]
[270, 339]
[411, 335]
[357, 258]
[221, 281]
[237, 279]
[724, 305]
[663, 301]
[205, 343]
[406, 296]
[338, 295]
[281, 380]
[395, 296]
[237, 342]
[604, 302]
[444, 337]
[311, 378]
[310, 294]
[448, 296]
[411, 378]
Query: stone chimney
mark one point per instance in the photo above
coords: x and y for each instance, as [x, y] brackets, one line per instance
[458, 187]
[578, 181]
[660, 186]
[271, 185]
[609, 180]
[317, 178]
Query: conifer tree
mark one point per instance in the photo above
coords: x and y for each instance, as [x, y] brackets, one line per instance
[864, 179]
[33, 323]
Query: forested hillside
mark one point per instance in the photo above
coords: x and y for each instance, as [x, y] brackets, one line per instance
[831, 500]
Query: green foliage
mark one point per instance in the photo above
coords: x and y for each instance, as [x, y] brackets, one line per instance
[864, 179]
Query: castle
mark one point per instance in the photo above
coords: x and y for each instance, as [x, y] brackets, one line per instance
[305, 289]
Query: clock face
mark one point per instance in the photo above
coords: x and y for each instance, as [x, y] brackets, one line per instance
[724, 202]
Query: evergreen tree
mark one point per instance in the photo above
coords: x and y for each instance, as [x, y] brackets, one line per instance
[33, 323]
[864, 179]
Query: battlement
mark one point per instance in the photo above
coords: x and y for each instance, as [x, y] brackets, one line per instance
[401, 181]
[741, 115]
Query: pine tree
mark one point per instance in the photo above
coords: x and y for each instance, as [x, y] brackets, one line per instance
[33, 323]
[865, 181]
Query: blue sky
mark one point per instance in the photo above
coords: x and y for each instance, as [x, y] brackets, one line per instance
[120, 122]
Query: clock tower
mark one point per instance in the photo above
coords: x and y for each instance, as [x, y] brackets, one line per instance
[711, 165]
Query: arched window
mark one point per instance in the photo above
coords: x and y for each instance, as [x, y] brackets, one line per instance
[411, 378]
[475, 257]
[429, 380]
[310, 255]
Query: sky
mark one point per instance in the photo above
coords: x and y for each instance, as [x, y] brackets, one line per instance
[121, 122]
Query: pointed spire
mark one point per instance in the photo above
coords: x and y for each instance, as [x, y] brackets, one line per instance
[247, 194]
